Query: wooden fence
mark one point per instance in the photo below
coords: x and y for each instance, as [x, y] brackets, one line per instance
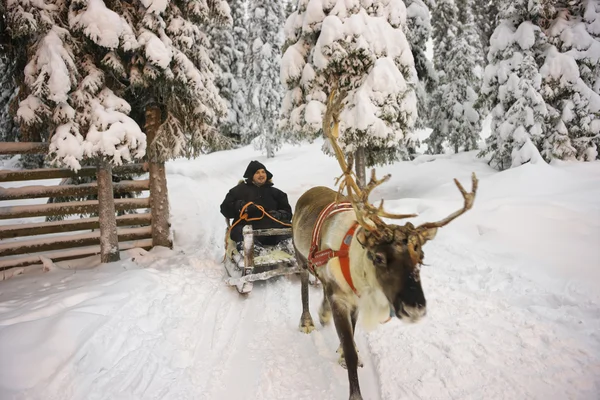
[81, 237]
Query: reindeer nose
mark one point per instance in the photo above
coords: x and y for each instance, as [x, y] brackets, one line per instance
[410, 313]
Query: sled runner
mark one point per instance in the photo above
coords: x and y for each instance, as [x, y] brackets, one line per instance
[252, 263]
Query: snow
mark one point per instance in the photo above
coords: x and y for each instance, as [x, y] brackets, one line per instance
[52, 64]
[513, 304]
[103, 26]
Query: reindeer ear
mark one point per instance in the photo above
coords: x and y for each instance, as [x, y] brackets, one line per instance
[429, 233]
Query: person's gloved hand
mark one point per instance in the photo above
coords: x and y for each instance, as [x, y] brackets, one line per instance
[253, 211]
[275, 214]
[280, 215]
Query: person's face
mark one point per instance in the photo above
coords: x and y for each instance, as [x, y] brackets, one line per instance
[260, 177]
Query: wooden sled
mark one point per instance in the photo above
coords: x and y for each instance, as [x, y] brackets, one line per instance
[244, 269]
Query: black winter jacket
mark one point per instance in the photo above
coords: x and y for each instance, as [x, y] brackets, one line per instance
[267, 196]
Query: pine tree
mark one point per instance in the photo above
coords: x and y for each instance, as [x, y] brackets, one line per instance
[265, 91]
[589, 65]
[485, 13]
[570, 72]
[445, 29]
[464, 81]
[418, 32]
[66, 98]
[512, 86]
[8, 88]
[363, 52]
[444, 18]
[228, 50]
[171, 69]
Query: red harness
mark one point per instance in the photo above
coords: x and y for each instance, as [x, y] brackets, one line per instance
[318, 258]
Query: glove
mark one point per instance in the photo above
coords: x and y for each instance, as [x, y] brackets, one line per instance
[280, 215]
[253, 211]
[275, 214]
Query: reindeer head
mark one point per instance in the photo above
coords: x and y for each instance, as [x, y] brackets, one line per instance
[395, 251]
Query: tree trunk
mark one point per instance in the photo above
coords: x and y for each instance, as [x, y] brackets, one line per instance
[159, 196]
[360, 167]
[109, 242]
[269, 146]
[269, 143]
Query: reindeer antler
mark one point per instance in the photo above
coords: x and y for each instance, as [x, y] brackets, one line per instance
[469, 199]
[359, 198]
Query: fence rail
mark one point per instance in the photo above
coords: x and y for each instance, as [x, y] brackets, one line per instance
[26, 244]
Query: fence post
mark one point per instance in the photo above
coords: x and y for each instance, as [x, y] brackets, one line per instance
[109, 241]
[159, 196]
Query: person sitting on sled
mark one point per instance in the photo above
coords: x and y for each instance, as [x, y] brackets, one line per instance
[256, 197]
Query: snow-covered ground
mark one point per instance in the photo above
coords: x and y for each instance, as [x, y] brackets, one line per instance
[512, 291]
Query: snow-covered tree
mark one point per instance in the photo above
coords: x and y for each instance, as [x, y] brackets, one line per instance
[8, 90]
[94, 66]
[485, 13]
[418, 32]
[444, 19]
[445, 26]
[455, 121]
[512, 85]
[359, 48]
[228, 49]
[589, 64]
[570, 74]
[64, 98]
[171, 71]
[265, 90]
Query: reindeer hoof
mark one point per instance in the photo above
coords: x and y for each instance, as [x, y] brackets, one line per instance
[342, 362]
[342, 359]
[306, 323]
[356, 396]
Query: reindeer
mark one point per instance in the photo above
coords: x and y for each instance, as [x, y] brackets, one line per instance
[367, 265]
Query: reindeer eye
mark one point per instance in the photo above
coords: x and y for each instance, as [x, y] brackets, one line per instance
[379, 259]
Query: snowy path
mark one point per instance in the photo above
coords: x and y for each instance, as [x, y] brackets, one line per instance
[181, 334]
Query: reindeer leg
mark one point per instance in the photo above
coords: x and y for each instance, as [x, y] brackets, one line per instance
[340, 350]
[306, 323]
[354, 317]
[343, 326]
[325, 310]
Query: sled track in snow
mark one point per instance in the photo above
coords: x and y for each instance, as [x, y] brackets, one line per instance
[154, 344]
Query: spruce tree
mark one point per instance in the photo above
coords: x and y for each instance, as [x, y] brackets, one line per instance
[418, 32]
[485, 13]
[8, 91]
[66, 98]
[265, 90]
[362, 51]
[445, 28]
[228, 50]
[570, 72]
[94, 68]
[512, 85]
[464, 84]
[172, 70]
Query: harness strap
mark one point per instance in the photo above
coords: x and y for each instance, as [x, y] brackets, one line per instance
[342, 253]
[318, 258]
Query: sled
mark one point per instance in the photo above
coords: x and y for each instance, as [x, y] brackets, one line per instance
[244, 269]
